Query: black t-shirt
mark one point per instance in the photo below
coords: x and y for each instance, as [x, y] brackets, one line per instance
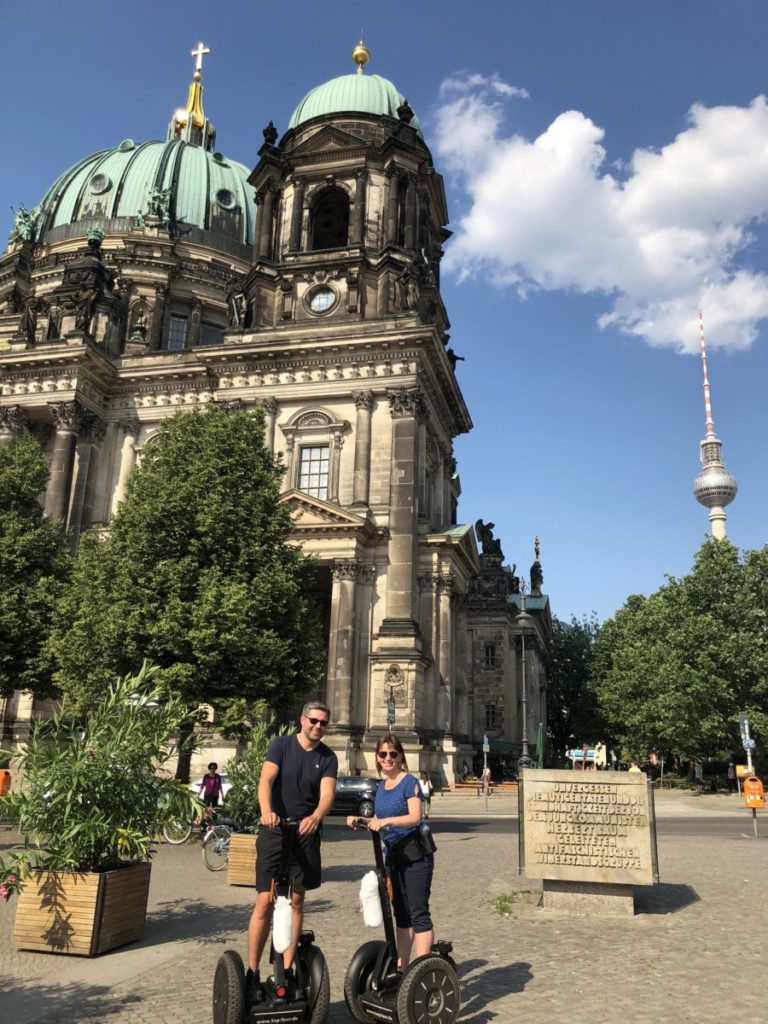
[296, 790]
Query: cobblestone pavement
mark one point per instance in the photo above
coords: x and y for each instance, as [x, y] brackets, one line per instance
[692, 953]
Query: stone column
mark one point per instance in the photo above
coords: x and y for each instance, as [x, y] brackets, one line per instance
[358, 212]
[445, 588]
[439, 517]
[391, 225]
[422, 468]
[157, 326]
[297, 215]
[362, 470]
[130, 429]
[270, 406]
[66, 416]
[346, 574]
[265, 223]
[195, 316]
[406, 407]
[80, 512]
[13, 419]
[409, 239]
[449, 468]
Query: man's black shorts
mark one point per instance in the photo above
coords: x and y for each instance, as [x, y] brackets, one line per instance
[305, 859]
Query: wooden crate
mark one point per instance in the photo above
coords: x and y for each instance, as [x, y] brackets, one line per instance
[82, 914]
[241, 866]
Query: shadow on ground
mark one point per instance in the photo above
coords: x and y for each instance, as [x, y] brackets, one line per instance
[664, 898]
[61, 1004]
[479, 992]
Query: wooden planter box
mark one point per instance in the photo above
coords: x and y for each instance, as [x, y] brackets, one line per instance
[82, 914]
[241, 866]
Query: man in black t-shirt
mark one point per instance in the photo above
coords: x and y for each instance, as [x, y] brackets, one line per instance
[298, 780]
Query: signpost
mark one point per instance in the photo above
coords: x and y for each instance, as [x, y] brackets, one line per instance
[486, 751]
[754, 797]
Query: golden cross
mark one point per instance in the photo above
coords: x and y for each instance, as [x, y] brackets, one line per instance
[199, 54]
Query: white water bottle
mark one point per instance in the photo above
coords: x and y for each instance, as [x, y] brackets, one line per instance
[370, 901]
[282, 924]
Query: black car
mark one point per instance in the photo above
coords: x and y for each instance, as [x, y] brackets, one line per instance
[354, 795]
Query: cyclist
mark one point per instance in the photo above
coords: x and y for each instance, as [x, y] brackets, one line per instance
[298, 780]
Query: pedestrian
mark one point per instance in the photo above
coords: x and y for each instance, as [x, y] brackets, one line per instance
[409, 849]
[464, 771]
[298, 780]
[634, 766]
[210, 786]
[698, 775]
[731, 777]
[427, 789]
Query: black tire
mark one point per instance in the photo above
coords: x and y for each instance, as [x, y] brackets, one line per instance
[177, 832]
[358, 979]
[365, 809]
[319, 985]
[429, 992]
[229, 989]
[216, 848]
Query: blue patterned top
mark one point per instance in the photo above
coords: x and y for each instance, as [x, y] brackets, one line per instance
[393, 803]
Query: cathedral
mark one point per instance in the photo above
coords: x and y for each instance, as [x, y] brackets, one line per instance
[163, 275]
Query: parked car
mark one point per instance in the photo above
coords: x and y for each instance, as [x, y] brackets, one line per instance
[226, 785]
[354, 795]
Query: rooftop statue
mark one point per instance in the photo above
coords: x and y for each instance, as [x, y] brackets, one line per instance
[490, 545]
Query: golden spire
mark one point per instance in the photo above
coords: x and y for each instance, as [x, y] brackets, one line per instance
[361, 55]
[194, 107]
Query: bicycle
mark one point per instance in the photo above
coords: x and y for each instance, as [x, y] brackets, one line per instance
[179, 830]
[215, 849]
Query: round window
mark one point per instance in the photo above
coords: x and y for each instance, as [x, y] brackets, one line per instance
[225, 198]
[100, 183]
[322, 299]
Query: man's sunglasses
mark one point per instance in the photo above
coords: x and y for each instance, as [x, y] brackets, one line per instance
[386, 755]
[317, 721]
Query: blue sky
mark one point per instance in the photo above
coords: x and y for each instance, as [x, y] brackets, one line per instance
[605, 166]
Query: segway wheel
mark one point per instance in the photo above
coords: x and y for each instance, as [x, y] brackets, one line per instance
[359, 977]
[429, 993]
[319, 985]
[229, 989]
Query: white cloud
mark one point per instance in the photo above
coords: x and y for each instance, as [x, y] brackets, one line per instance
[661, 237]
[464, 83]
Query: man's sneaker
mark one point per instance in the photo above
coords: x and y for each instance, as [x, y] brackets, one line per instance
[253, 990]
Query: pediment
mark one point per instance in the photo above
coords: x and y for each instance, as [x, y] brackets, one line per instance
[313, 514]
[328, 139]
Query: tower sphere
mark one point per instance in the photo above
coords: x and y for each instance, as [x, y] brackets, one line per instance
[715, 487]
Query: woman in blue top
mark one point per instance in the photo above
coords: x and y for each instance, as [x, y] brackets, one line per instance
[398, 818]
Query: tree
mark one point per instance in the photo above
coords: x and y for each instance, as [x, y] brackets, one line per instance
[196, 575]
[572, 712]
[674, 671]
[34, 563]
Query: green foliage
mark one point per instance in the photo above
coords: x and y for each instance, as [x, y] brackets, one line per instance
[196, 574]
[91, 798]
[34, 563]
[244, 772]
[674, 671]
[572, 712]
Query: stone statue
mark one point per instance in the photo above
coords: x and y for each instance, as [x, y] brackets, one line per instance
[490, 545]
[270, 134]
[159, 204]
[408, 290]
[28, 321]
[537, 577]
[24, 225]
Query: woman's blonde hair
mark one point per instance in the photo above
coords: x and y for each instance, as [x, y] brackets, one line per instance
[391, 741]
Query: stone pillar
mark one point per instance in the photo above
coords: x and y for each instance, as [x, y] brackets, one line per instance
[270, 406]
[157, 326]
[346, 574]
[90, 428]
[66, 416]
[439, 517]
[391, 226]
[195, 316]
[449, 468]
[461, 684]
[361, 480]
[358, 211]
[422, 468]
[409, 239]
[13, 419]
[406, 407]
[130, 429]
[265, 223]
[297, 215]
[445, 587]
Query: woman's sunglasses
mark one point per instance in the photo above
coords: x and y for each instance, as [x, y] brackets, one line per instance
[386, 755]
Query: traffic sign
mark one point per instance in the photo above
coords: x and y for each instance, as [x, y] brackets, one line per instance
[748, 744]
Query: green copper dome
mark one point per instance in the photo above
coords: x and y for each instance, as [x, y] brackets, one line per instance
[173, 185]
[351, 94]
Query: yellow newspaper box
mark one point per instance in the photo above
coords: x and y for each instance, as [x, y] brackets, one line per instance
[754, 797]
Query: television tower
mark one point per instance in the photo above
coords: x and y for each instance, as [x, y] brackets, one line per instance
[714, 487]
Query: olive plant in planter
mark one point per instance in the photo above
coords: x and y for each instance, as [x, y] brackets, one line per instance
[242, 806]
[94, 799]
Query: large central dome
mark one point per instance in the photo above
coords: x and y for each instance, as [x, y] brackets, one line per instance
[351, 94]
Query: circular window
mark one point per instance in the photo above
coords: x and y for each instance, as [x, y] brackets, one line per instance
[322, 299]
[100, 183]
[127, 145]
[225, 198]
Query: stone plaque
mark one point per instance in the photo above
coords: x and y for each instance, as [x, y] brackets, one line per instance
[587, 827]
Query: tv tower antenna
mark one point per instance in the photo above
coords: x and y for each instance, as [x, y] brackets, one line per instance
[714, 487]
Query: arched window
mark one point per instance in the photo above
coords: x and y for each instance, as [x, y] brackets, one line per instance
[329, 224]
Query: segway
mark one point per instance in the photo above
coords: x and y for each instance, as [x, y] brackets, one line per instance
[303, 998]
[426, 993]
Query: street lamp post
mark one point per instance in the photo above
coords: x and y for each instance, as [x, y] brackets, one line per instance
[524, 622]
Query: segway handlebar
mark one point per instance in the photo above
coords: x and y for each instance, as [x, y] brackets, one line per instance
[360, 823]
